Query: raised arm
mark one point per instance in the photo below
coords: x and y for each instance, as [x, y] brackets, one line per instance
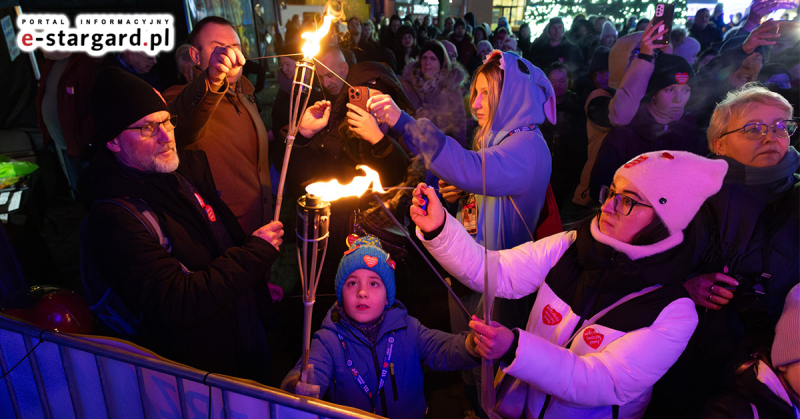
[632, 88]
[196, 102]
[519, 271]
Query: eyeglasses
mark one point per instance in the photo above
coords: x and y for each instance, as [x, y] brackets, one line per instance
[623, 205]
[756, 130]
[151, 129]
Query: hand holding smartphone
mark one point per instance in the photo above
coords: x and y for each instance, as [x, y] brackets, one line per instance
[359, 95]
[663, 20]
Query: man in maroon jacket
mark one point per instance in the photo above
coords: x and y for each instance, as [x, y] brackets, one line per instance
[218, 115]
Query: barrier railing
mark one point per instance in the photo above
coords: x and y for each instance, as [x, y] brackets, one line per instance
[66, 376]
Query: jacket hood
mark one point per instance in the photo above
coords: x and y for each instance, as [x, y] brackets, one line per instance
[527, 97]
[633, 273]
[373, 75]
[486, 29]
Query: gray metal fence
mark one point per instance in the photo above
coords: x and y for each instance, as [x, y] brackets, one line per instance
[65, 376]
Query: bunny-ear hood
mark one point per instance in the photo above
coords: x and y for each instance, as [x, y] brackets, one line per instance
[527, 97]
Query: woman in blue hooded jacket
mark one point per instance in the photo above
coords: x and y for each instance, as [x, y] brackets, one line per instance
[510, 98]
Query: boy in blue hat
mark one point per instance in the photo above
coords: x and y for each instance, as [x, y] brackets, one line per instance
[369, 353]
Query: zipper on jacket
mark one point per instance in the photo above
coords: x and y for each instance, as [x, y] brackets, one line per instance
[378, 376]
[394, 383]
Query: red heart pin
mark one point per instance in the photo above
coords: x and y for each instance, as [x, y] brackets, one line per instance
[550, 316]
[390, 263]
[371, 261]
[667, 156]
[682, 78]
[592, 338]
[351, 239]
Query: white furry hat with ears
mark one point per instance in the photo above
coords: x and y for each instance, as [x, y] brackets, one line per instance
[676, 183]
[786, 346]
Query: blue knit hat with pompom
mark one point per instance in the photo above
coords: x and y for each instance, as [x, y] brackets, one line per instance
[366, 253]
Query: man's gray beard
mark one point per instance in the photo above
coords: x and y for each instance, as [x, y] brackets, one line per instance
[165, 166]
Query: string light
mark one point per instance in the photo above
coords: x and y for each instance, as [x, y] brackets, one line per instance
[539, 12]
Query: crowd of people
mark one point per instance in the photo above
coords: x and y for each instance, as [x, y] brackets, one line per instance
[636, 204]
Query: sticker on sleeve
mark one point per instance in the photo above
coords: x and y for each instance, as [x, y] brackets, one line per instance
[550, 316]
[592, 338]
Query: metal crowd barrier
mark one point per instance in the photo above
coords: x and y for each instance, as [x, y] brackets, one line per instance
[71, 376]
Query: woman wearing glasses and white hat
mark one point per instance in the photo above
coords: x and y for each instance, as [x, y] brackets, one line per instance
[610, 315]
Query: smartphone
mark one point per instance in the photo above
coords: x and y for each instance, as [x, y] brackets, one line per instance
[663, 20]
[358, 96]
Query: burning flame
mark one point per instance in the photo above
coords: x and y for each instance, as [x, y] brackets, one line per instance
[333, 190]
[311, 46]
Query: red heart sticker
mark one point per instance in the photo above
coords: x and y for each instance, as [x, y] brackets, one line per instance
[347, 252]
[550, 316]
[592, 338]
[667, 156]
[371, 261]
[390, 263]
[682, 78]
[351, 239]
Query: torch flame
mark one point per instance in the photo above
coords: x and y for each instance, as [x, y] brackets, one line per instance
[311, 46]
[333, 190]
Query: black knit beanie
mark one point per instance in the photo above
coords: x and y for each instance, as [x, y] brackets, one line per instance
[118, 100]
[670, 69]
[599, 60]
[405, 29]
[460, 22]
[438, 50]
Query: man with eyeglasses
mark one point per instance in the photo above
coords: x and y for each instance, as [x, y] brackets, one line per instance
[201, 296]
[219, 115]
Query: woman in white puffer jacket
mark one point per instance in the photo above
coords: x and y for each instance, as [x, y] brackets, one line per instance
[631, 252]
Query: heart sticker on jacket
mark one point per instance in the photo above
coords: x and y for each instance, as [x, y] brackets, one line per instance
[592, 338]
[682, 78]
[371, 261]
[550, 316]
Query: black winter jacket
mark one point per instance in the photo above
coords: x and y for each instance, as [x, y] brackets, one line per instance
[209, 318]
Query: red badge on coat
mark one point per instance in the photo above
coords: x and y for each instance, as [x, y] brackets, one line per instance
[550, 316]
[592, 338]
[209, 210]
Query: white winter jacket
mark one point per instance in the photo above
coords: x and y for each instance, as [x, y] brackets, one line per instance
[602, 367]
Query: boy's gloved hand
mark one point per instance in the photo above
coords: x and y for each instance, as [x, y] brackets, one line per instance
[308, 390]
